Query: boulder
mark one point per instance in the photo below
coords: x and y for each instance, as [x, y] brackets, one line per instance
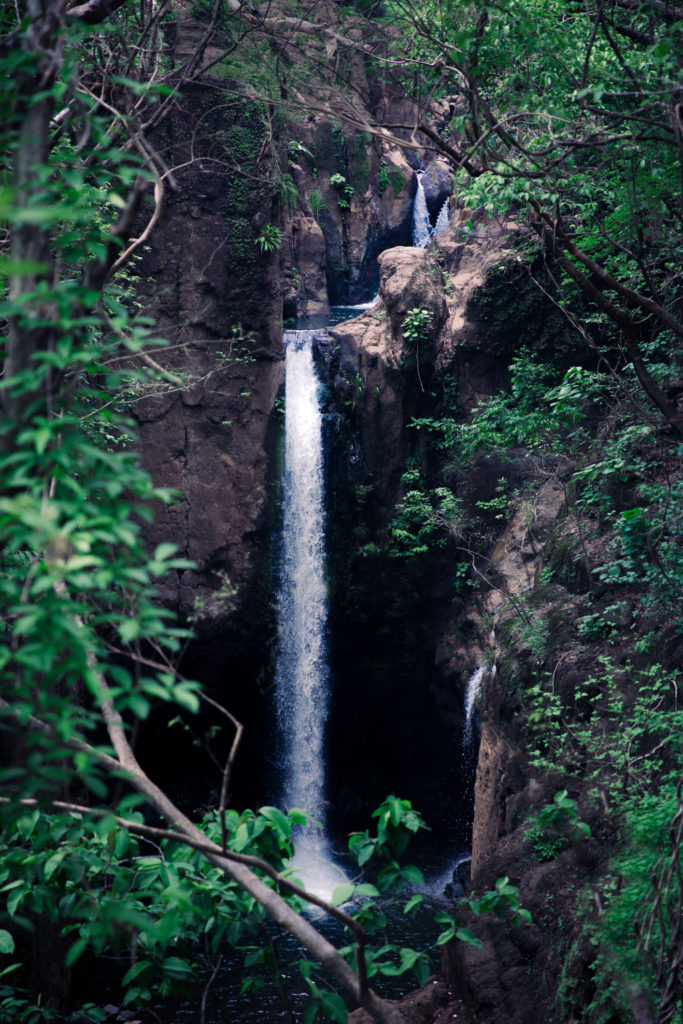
[437, 182]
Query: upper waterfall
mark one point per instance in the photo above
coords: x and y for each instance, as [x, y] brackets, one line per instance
[422, 228]
[442, 219]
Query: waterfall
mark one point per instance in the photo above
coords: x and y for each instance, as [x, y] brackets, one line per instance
[442, 219]
[471, 694]
[422, 228]
[302, 679]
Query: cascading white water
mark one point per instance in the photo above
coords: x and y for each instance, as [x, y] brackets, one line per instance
[442, 219]
[360, 305]
[422, 228]
[471, 694]
[302, 678]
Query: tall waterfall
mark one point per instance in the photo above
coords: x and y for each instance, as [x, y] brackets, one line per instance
[422, 228]
[302, 678]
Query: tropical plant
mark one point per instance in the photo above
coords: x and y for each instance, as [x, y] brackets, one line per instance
[318, 203]
[270, 238]
[343, 189]
[424, 518]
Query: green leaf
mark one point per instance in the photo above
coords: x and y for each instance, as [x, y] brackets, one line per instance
[279, 820]
[413, 903]
[165, 551]
[311, 1012]
[129, 629]
[54, 862]
[138, 704]
[184, 694]
[297, 816]
[177, 967]
[465, 935]
[75, 951]
[136, 970]
[6, 942]
[41, 439]
[446, 936]
[421, 971]
[342, 894]
[365, 853]
[26, 823]
[334, 1007]
[412, 874]
[366, 889]
[16, 898]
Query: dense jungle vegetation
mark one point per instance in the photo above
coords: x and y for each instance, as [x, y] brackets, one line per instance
[567, 117]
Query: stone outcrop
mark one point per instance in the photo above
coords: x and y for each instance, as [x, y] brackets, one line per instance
[370, 350]
[353, 201]
[212, 443]
[432, 1004]
[437, 182]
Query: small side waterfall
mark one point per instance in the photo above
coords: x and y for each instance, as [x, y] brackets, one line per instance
[471, 694]
[302, 678]
[422, 228]
[442, 219]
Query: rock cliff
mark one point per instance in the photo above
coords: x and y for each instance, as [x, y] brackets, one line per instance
[407, 635]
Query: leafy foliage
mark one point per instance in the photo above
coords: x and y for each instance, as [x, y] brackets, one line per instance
[270, 238]
[424, 518]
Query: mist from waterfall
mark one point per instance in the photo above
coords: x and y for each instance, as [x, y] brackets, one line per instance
[302, 675]
[422, 228]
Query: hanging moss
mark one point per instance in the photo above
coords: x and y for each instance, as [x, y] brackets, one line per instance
[517, 315]
[241, 141]
[359, 161]
[329, 149]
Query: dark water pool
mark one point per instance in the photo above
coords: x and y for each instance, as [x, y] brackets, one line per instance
[270, 1003]
[337, 315]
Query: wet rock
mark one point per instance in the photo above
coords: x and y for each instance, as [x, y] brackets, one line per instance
[452, 1013]
[437, 182]
[370, 350]
[462, 872]
[454, 891]
[419, 1007]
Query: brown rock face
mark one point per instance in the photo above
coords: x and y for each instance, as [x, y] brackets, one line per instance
[371, 351]
[424, 1006]
[437, 182]
[215, 294]
[355, 199]
[212, 443]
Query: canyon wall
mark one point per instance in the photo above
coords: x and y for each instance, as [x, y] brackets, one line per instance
[406, 635]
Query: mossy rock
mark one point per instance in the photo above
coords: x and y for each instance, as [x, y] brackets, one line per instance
[518, 315]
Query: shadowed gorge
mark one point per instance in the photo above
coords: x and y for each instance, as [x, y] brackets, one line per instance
[341, 441]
